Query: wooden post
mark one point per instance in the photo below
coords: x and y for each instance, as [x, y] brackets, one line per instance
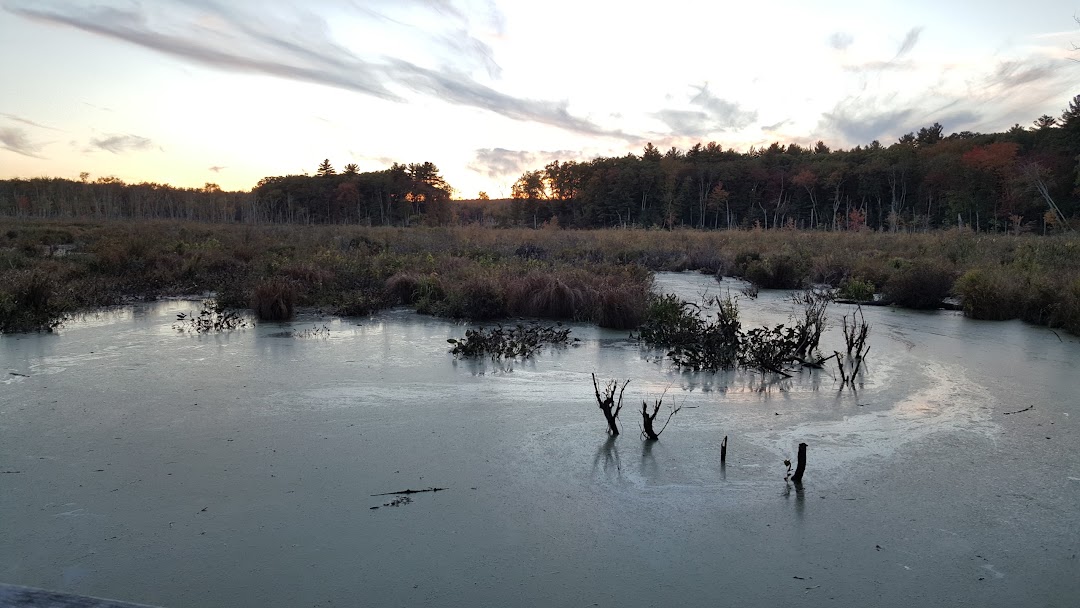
[723, 450]
[801, 466]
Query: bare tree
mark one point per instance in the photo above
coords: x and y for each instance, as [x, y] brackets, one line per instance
[608, 404]
[648, 431]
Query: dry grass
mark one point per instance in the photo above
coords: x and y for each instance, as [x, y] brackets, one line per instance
[599, 276]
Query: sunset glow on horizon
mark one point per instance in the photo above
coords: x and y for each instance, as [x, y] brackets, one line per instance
[197, 91]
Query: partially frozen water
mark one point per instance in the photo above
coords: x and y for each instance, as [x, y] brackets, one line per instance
[238, 469]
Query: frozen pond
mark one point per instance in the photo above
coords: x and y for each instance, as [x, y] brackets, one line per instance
[238, 469]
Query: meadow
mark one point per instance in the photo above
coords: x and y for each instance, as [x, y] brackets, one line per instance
[52, 268]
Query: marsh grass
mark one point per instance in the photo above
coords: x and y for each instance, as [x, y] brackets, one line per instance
[599, 276]
[274, 300]
[31, 300]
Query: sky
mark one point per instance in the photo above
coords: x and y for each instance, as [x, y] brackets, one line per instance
[187, 92]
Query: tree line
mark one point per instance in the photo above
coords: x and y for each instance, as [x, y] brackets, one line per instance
[401, 195]
[1020, 180]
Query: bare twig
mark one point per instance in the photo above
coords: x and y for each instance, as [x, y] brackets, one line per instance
[410, 492]
[1030, 407]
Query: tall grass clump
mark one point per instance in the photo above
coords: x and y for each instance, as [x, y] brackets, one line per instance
[987, 293]
[477, 298]
[776, 271]
[920, 284]
[29, 302]
[1068, 314]
[274, 299]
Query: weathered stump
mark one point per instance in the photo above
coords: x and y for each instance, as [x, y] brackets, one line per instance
[801, 465]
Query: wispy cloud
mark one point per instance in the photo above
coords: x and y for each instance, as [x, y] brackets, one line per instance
[956, 121]
[14, 139]
[224, 36]
[878, 66]
[217, 169]
[499, 163]
[860, 121]
[1009, 74]
[775, 126]
[897, 63]
[909, 42]
[713, 115]
[118, 144]
[841, 40]
[28, 122]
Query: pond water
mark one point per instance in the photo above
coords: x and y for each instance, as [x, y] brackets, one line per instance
[238, 469]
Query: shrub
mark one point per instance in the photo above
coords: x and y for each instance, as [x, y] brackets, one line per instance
[854, 289]
[477, 298]
[986, 294]
[363, 303]
[921, 285]
[522, 341]
[402, 287]
[778, 271]
[274, 300]
[1067, 315]
[696, 342]
[29, 302]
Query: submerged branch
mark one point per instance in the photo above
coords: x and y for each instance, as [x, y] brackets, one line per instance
[410, 492]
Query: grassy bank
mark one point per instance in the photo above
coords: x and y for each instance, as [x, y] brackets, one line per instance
[48, 268]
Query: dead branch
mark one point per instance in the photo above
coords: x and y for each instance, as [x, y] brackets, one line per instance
[1030, 407]
[607, 403]
[410, 492]
[648, 419]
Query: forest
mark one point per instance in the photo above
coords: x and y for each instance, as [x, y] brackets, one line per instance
[1026, 179]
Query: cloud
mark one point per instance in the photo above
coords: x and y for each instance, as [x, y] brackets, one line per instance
[27, 121]
[861, 121]
[841, 40]
[217, 169]
[715, 114]
[910, 40]
[15, 140]
[118, 144]
[301, 48]
[878, 66]
[775, 126]
[953, 121]
[500, 163]
[894, 64]
[103, 109]
[1009, 74]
